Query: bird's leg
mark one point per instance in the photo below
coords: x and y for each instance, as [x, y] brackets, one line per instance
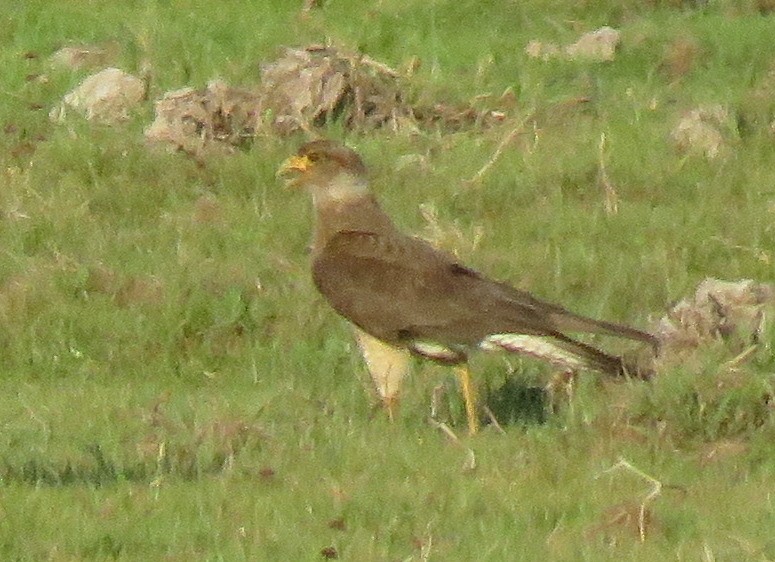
[391, 406]
[387, 366]
[560, 389]
[469, 394]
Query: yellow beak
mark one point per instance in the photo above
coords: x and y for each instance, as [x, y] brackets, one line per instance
[294, 164]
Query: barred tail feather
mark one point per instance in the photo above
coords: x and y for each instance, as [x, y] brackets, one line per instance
[559, 350]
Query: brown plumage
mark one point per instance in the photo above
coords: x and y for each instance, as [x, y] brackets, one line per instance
[405, 295]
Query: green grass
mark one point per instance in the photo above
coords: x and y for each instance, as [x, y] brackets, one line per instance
[172, 388]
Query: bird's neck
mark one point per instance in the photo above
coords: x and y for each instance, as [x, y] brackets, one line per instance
[343, 189]
[359, 213]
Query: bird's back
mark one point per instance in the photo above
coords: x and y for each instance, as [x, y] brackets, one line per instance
[397, 287]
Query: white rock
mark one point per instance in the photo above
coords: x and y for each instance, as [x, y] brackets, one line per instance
[700, 131]
[598, 45]
[107, 96]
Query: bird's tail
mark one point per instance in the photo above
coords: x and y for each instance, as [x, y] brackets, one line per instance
[566, 321]
[566, 353]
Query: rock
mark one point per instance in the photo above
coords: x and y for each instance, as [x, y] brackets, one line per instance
[700, 131]
[303, 89]
[596, 46]
[193, 120]
[107, 96]
[732, 311]
[77, 57]
[543, 51]
[599, 45]
[307, 87]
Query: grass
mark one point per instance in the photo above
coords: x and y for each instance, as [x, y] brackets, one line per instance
[172, 388]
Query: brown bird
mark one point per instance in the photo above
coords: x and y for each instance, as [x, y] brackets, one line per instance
[406, 297]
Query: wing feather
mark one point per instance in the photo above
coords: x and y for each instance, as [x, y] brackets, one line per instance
[398, 288]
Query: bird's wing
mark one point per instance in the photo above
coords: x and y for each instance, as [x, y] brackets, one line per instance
[400, 288]
[563, 320]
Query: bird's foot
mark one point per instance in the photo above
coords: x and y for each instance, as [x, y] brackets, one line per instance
[390, 404]
[561, 388]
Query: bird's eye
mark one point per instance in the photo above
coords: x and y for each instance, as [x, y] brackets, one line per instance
[313, 157]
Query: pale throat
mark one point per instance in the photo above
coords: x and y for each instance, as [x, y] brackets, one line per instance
[343, 189]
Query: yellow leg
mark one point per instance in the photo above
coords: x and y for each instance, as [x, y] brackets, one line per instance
[469, 394]
[391, 406]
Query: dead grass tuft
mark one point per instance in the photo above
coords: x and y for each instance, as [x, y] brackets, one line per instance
[623, 521]
[705, 131]
[631, 517]
[765, 7]
[680, 57]
[176, 446]
[141, 290]
[722, 451]
[732, 312]
[78, 57]
[302, 90]
[26, 293]
[449, 236]
[127, 291]
[207, 210]
[757, 106]
[217, 117]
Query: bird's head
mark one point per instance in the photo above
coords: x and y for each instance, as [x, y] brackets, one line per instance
[328, 169]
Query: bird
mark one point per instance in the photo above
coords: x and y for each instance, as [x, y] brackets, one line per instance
[404, 297]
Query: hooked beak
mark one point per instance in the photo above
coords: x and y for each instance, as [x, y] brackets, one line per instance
[291, 168]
